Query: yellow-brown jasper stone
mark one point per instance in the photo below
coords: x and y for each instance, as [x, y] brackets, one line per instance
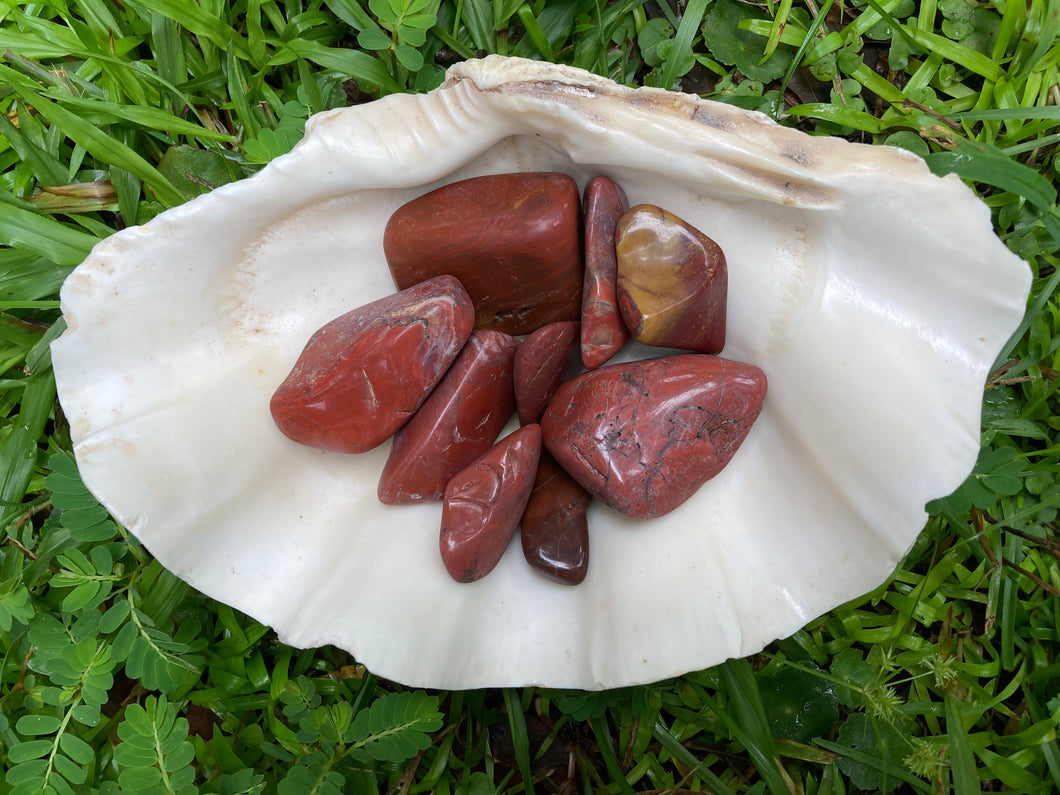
[672, 281]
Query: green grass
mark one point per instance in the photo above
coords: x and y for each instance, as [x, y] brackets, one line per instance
[114, 673]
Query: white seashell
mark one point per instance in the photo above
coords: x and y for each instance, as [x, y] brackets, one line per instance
[873, 294]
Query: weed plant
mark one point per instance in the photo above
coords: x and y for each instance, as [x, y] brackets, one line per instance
[116, 676]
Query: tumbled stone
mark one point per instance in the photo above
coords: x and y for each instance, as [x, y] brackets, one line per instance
[540, 365]
[342, 393]
[644, 436]
[484, 502]
[456, 424]
[672, 281]
[554, 531]
[512, 240]
[603, 331]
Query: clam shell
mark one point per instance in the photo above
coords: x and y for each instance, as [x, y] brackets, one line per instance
[874, 295]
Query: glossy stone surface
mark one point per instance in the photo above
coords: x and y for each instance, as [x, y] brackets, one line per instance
[644, 436]
[672, 281]
[456, 424]
[342, 395]
[513, 240]
[484, 502]
[554, 531]
[603, 331]
[540, 365]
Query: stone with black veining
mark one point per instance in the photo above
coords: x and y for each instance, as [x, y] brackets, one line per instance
[342, 393]
[484, 502]
[513, 240]
[456, 424]
[554, 530]
[672, 281]
[644, 436]
[541, 363]
[603, 331]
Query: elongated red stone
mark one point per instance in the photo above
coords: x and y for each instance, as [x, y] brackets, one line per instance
[672, 281]
[603, 331]
[456, 424]
[484, 502]
[361, 376]
[644, 436]
[554, 531]
[540, 364]
[513, 240]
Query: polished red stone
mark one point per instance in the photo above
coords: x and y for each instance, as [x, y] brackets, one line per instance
[456, 424]
[644, 436]
[540, 365]
[554, 530]
[513, 240]
[672, 281]
[343, 395]
[603, 331]
[484, 502]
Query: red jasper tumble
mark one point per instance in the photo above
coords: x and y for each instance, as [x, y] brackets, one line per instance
[456, 424]
[344, 394]
[554, 530]
[483, 504]
[512, 239]
[540, 364]
[672, 281]
[644, 436]
[603, 332]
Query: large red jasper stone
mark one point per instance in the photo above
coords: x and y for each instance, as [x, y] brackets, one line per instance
[644, 436]
[513, 240]
[603, 332]
[483, 504]
[554, 530]
[672, 281]
[456, 424]
[361, 376]
[540, 365]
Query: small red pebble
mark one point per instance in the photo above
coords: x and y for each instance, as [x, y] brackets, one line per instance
[603, 332]
[540, 364]
[513, 240]
[456, 424]
[554, 530]
[484, 502]
[361, 376]
[644, 436]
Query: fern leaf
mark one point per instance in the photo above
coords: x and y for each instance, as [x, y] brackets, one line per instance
[154, 748]
[396, 727]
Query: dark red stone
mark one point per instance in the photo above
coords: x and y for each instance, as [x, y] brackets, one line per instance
[456, 424]
[513, 240]
[540, 365]
[644, 436]
[603, 332]
[672, 281]
[361, 376]
[554, 530]
[484, 502]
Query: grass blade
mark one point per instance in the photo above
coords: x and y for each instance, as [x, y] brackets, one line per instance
[750, 716]
[987, 164]
[962, 761]
[43, 236]
[685, 757]
[18, 450]
[102, 112]
[520, 740]
[682, 46]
